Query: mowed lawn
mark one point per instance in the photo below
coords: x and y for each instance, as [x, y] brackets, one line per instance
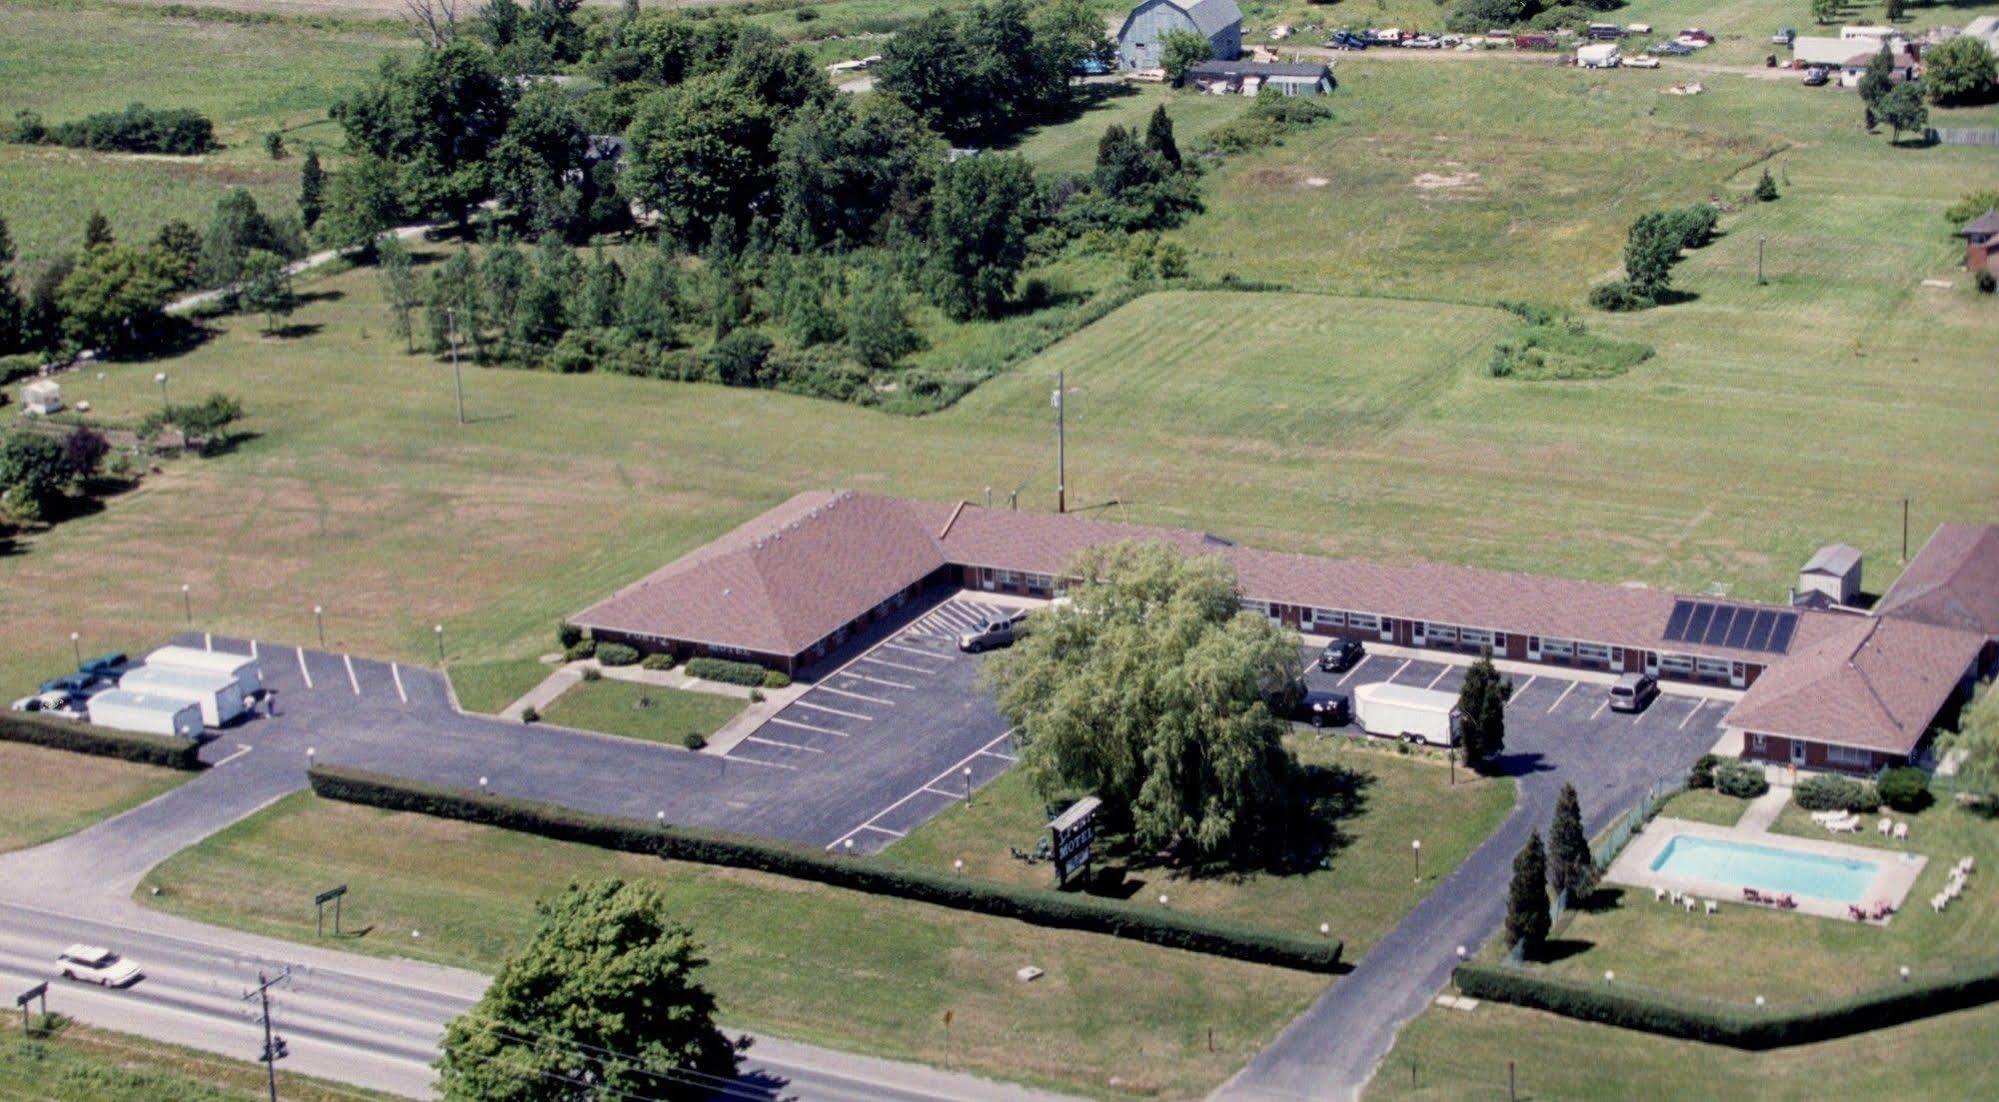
[1071, 145]
[64, 61]
[490, 686]
[85, 1064]
[1459, 1055]
[645, 712]
[45, 794]
[1368, 887]
[800, 960]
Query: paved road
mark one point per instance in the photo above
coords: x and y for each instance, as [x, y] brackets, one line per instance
[1557, 732]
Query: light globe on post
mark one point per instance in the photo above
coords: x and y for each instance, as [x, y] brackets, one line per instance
[438, 629]
[1416, 850]
[165, 408]
[76, 647]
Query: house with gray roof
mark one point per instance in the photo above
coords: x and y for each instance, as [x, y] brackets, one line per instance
[1290, 78]
[1141, 41]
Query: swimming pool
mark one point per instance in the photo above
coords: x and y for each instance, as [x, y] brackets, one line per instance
[1766, 868]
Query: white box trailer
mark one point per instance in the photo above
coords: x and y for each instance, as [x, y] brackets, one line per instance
[146, 714]
[1598, 55]
[249, 676]
[1407, 712]
[218, 694]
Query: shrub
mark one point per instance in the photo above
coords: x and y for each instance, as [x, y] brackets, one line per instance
[530, 714]
[721, 669]
[776, 679]
[694, 740]
[1828, 792]
[617, 654]
[29, 129]
[1563, 352]
[1702, 773]
[1766, 188]
[592, 673]
[660, 661]
[140, 129]
[1987, 282]
[1618, 297]
[1904, 788]
[756, 696]
[568, 634]
[1043, 907]
[79, 738]
[582, 648]
[1740, 778]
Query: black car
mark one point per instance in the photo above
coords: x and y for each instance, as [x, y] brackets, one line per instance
[1341, 654]
[1323, 709]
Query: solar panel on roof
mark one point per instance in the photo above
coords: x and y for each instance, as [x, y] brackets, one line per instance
[1738, 632]
[1759, 636]
[1717, 628]
[1697, 625]
[1780, 639]
[1676, 624]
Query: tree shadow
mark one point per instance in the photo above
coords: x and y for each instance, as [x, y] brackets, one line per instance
[1919, 141]
[1084, 99]
[1519, 764]
[292, 331]
[176, 338]
[321, 295]
[1675, 296]
[1559, 949]
[226, 445]
[1599, 901]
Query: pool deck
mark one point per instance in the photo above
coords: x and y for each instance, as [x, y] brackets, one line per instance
[1897, 872]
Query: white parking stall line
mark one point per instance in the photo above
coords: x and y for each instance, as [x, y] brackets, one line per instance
[207, 641]
[732, 756]
[946, 795]
[1522, 690]
[920, 790]
[396, 672]
[351, 679]
[1690, 715]
[831, 711]
[1440, 676]
[875, 680]
[253, 648]
[1564, 696]
[856, 696]
[794, 724]
[990, 754]
[912, 650]
[1600, 706]
[885, 830]
[241, 749]
[1399, 669]
[896, 665]
[303, 672]
[786, 745]
[1356, 669]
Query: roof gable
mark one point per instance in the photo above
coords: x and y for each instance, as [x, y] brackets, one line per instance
[1953, 581]
[1876, 684]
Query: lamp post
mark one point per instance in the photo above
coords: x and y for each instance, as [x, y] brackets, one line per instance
[319, 624]
[166, 409]
[968, 786]
[1325, 929]
[187, 603]
[76, 648]
[482, 786]
[439, 630]
[958, 867]
[1416, 851]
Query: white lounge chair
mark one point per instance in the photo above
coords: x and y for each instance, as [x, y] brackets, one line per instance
[1938, 903]
[1887, 824]
[1711, 906]
[1658, 895]
[1689, 904]
[1901, 832]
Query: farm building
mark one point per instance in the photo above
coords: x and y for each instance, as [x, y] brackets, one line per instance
[1849, 56]
[1248, 78]
[1953, 582]
[1598, 55]
[1141, 41]
[1832, 572]
[1981, 241]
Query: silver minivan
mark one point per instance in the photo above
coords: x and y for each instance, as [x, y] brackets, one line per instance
[1633, 692]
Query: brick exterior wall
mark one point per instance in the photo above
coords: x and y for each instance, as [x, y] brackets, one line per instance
[1776, 750]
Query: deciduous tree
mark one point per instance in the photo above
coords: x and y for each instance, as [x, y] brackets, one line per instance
[1959, 70]
[398, 281]
[267, 287]
[435, 117]
[1181, 49]
[1903, 109]
[115, 297]
[981, 214]
[701, 153]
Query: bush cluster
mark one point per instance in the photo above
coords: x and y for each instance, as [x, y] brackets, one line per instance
[81, 738]
[1740, 778]
[1267, 122]
[1713, 1022]
[660, 661]
[617, 654]
[136, 129]
[1038, 906]
[1701, 775]
[1828, 792]
[722, 669]
[582, 648]
[1563, 350]
[1904, 788]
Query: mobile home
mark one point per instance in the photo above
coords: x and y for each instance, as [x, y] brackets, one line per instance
[218, 694]
[249, 676]
[145, 714]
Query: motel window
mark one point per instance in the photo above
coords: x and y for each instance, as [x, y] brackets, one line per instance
[1759, 742]
[1328, 618]
[1676, 665]
[1362, 621]
[1557, 648]
[1009, 577]
[1593, 652]
[1475, 638]
[1716, 668]
[1442, 635]
[1847, 755]
[1261, 608]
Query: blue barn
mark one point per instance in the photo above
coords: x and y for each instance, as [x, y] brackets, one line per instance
[1141, 41]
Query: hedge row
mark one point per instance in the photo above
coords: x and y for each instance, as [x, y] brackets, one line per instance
[1039, 906]
[722, 669]
[1720, 1023]
[81, 738]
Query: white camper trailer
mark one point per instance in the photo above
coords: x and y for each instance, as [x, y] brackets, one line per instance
[218, 694]
[1406, 712]
[249, 676]
[146, 714]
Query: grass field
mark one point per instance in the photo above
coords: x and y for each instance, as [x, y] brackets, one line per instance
[1746, 951]
[1367, 889]
[64, 61]
[800, 960]
[45, 794]
[490, 686]
[1460, 1055]
[83, 1064]
[1705, 805]
[642, 711]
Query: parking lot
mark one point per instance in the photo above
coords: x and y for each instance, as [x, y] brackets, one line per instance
[888, 739]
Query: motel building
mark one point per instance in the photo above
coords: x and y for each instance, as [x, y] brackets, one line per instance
[1821, 688]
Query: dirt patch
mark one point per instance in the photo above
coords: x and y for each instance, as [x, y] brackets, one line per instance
[1316, 181]
[1445, 181]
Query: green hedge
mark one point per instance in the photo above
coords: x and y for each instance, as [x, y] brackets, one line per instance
[1039, 906]
[81, 738]
[721, 669]
[1736, 1025]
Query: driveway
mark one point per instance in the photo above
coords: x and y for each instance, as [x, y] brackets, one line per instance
[1558, 730]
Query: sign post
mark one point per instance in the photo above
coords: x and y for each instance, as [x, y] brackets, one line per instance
[330, 895]
[1070, 835]
[39, 991]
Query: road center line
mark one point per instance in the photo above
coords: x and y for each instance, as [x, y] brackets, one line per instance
[1564, 696]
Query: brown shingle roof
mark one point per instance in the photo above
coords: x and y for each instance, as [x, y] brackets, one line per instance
[785, 580]
[1953, 581]
[1875, 683]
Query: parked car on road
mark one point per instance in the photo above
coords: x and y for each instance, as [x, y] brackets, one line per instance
[96, 964]
[1642, 61]
[72, 683]
[60, 705]
[1673, 49]
[1341, 654]
[1324, 709]
[999, 631]
[1633, 692]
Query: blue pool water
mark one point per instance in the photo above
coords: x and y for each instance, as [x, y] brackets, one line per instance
[1766, 868]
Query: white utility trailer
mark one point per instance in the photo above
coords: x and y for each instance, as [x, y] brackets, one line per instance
[1407, 712]
[249, 676]
[145, 714]
[218, 695]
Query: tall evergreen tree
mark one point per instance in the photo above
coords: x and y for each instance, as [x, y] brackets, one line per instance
[1482, 714]
[311, 188]
[1159, 137]
[1571, 869]
[97, 230]
[1527, 918]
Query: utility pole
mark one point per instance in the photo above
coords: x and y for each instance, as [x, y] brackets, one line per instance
[1061, 448]
[1905, 529]
[274, 1047]
[457, 377]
